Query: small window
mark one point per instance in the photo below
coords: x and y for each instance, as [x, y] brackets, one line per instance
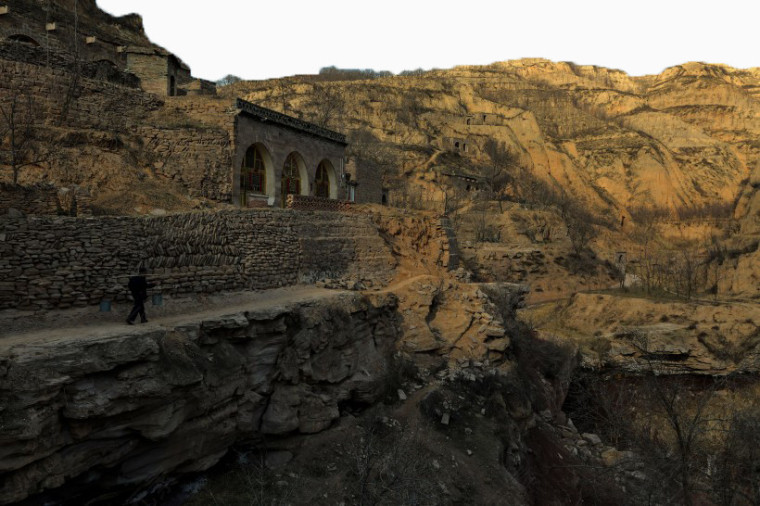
[468, 121]
[456, 146]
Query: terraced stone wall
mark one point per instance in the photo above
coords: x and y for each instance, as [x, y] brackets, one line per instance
[60, 262]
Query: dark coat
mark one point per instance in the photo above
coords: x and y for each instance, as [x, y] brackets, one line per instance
[138, 285]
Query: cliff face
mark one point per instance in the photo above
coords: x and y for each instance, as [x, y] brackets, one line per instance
[681, 138]
[737, 262]
[125, 406]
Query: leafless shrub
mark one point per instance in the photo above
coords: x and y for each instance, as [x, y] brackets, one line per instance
[21, 135]
[248, 482]
[389, 465]
[734, 468]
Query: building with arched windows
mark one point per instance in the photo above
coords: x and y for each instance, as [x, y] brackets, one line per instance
[277, 155]
[81, 30]
[256, 157]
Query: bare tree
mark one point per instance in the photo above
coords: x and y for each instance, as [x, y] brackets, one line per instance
[736, 477]
[579, 222]
[328, 104]
[498, 176]
[19, 145]
[367, 150]
[683, 412]
[228, 79]
[411, 111]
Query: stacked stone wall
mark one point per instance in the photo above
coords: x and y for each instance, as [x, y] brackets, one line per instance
[103, 127]
[48, 262]
[195, 156]
[153, 70]
[61, 98]
[64, 61]
[308, 203]
[44, 199]
[35, 199]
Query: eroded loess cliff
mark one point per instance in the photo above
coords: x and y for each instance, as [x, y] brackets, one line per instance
[681, 138]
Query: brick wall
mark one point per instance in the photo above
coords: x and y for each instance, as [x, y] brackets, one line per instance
[369, 182]
[59, 262]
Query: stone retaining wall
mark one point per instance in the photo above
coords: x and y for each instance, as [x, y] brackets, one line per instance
[100, 134]
[59, 262]
[64, 61]
[44, 199]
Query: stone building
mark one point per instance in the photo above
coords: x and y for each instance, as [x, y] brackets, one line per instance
[277, 155]
[80, 29]
[246, 154]
[160, 72]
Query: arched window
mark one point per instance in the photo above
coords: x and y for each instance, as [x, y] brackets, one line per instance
[253, 174]
[25, 39]
[322, 182]
[291, 177]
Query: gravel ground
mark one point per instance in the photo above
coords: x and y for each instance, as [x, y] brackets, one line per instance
[14, 322]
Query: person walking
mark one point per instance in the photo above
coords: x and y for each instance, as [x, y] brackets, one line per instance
[139, 285]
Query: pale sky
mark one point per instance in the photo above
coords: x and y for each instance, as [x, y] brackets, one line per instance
[259, 39]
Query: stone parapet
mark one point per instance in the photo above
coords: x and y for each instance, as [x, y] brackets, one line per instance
[308, 203]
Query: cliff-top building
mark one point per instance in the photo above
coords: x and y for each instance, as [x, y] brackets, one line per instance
[82, 30]
[273, 155]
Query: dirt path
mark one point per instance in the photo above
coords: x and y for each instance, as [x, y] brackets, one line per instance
[47, 326]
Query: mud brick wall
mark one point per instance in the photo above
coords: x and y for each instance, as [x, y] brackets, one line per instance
[59, 262]
[153, 71]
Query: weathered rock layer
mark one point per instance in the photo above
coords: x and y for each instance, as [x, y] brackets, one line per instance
[124, 405]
